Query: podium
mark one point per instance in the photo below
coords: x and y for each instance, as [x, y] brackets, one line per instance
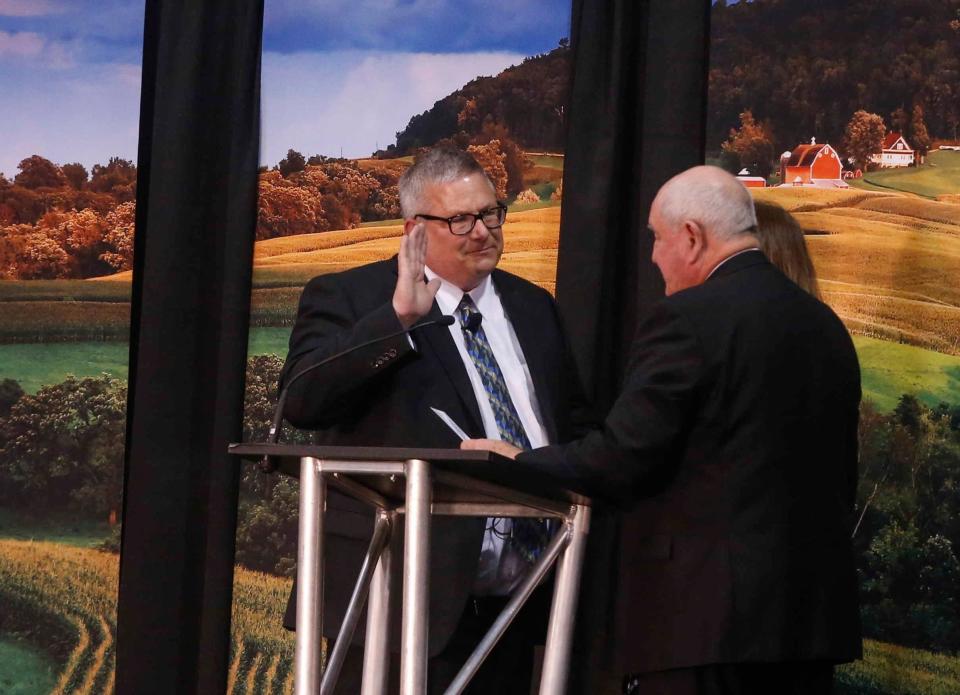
[415, 484]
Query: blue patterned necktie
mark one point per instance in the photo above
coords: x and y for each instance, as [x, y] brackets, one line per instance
[529, 535]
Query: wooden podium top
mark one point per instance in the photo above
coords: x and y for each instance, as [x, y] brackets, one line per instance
[461, 477]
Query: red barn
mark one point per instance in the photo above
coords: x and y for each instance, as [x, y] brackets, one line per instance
[812, 165]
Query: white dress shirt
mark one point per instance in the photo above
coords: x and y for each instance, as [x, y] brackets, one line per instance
[499, 572]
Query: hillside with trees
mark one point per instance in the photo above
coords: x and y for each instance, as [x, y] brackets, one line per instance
[803, 69]
[63, 222]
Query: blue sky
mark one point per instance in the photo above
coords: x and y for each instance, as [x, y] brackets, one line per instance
[337, 74]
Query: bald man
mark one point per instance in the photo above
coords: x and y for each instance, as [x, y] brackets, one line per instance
[733, 449]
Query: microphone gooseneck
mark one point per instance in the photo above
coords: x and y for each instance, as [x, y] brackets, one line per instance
[266, 463]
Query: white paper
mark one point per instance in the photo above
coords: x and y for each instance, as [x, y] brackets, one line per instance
[448, 421]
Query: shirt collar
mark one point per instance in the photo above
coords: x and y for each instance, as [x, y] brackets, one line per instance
[449, 295]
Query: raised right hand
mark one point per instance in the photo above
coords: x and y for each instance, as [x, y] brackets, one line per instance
[413, 298]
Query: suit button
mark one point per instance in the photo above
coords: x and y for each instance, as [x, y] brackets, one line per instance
[392, 353]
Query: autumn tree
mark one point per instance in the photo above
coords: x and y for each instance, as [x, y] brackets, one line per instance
[291, 164]
[863, 137]
[284, 209]
[117, 177]
[37, 172]
[41, 258]
[76, 174]
[119, 224]
[919, 136]
[491, 158]
[751, 144]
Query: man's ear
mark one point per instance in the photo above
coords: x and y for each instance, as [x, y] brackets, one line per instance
[694, 239]
[408, 225]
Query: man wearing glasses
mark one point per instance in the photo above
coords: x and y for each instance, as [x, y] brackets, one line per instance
[502, 370]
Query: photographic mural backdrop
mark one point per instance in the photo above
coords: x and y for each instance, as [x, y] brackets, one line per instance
[846, 114]
[69, 106]
[344, 111]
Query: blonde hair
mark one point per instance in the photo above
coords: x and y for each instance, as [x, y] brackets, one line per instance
[781, 240]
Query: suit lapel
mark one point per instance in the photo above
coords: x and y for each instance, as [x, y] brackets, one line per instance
[530, 330]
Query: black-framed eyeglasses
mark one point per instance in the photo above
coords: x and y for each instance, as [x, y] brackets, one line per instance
[492, 218]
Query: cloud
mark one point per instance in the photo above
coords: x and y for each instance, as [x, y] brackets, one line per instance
[27, 47]
[356, 101]
[30, 8]
[22, 44]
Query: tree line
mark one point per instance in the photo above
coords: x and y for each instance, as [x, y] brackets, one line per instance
[305, 195]
[66, 222]
[525, 105]
[804, 68]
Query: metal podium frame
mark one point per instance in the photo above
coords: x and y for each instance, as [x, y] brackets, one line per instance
[417, 483]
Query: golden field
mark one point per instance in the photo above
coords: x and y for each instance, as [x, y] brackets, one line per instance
[530, 249]
[888, 263]
[69, 594]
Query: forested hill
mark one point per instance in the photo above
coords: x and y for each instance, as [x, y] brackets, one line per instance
[526, 102]
[807, 65]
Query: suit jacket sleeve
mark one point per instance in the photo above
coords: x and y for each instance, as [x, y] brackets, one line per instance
[644, 430]
[328, 323]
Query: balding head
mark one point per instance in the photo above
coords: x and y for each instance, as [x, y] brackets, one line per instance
[699, 218]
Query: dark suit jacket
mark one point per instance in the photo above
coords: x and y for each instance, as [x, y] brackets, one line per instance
[733, 446]
[382, 395]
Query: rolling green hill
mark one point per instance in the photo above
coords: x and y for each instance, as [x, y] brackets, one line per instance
[939, 176]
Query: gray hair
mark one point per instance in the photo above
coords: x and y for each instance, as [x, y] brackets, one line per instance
[711, 197]
[438, 165]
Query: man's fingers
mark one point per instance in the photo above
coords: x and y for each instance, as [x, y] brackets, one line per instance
[433, 287]
[494, 445]
[477, 444]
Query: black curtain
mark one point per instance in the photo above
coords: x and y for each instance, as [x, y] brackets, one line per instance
[196, 215]
[636, 117]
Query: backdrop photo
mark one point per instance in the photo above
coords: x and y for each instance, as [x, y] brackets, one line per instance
[69, 97]
[328, 201]
[847, 116]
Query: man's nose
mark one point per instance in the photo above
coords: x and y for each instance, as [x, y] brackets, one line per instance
[479, 230]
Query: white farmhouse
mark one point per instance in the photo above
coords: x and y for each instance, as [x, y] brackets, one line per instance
[896, 152]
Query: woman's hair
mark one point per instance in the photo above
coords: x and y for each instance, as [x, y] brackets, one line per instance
[781, 240]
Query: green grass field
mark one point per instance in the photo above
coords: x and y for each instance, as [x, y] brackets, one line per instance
[889, 370]
[77, 533]
[939, 176]
[24, 669]
[39, 364]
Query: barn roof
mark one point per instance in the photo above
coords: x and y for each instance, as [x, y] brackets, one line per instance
[803, 155]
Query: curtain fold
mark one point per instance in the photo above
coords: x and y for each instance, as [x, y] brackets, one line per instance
[196, 217]
[636, 117]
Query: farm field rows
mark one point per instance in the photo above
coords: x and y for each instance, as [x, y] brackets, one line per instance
[70, 592]
[73, 590]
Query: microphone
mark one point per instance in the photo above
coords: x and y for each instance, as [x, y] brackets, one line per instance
[473, 321]
[266, 463]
